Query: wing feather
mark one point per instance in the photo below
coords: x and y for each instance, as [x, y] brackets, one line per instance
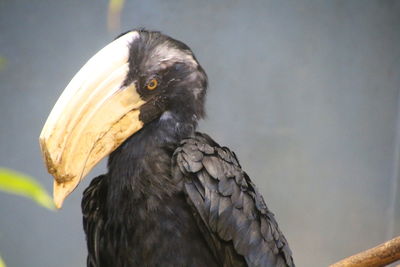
[231, 212]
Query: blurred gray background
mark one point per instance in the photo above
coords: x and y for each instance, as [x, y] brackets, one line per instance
[305, 92]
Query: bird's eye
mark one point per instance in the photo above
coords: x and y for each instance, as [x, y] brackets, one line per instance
[152, 84]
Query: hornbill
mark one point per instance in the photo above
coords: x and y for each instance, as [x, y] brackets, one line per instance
[172, 196]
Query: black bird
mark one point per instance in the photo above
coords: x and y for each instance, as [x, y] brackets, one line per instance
[171, 196]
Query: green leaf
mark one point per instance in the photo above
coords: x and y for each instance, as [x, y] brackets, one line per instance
[114, 14]
[20, 184]
[116, 5]
[2, 263]
[3, 63]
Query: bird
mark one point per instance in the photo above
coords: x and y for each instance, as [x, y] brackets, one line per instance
[171, 196]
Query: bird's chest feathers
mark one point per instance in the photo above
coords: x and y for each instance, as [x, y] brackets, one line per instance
[143, 230]
[143, 206]
[141, 167]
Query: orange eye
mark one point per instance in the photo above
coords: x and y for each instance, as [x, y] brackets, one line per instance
[152, 84]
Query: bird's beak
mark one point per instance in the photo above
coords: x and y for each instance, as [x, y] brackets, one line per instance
[92, 117]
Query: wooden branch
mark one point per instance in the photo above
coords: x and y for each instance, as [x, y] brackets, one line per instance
[378, 256]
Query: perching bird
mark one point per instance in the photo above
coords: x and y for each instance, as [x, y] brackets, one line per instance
[171, 196]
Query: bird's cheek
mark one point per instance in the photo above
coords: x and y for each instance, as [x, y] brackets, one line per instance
[153, 108]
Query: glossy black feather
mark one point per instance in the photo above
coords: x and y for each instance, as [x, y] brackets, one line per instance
[141, 218]
[232, 210]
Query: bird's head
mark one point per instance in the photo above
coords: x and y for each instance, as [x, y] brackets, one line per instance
[140, 77]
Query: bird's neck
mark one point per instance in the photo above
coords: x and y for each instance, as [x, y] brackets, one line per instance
[140, 167]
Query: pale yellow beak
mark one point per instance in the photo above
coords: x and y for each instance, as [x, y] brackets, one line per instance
[92, 117]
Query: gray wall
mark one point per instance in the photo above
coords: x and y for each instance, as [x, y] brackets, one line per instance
[305, 92]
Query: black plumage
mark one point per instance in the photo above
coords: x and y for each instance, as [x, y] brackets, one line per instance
[171, 196]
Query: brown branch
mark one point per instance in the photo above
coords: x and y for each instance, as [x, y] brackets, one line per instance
[378, 256]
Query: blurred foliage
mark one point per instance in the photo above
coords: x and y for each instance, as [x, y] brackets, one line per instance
[3, 63]
[20, 184]
[114, 14]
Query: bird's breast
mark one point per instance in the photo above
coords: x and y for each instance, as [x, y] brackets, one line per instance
[152, 232]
